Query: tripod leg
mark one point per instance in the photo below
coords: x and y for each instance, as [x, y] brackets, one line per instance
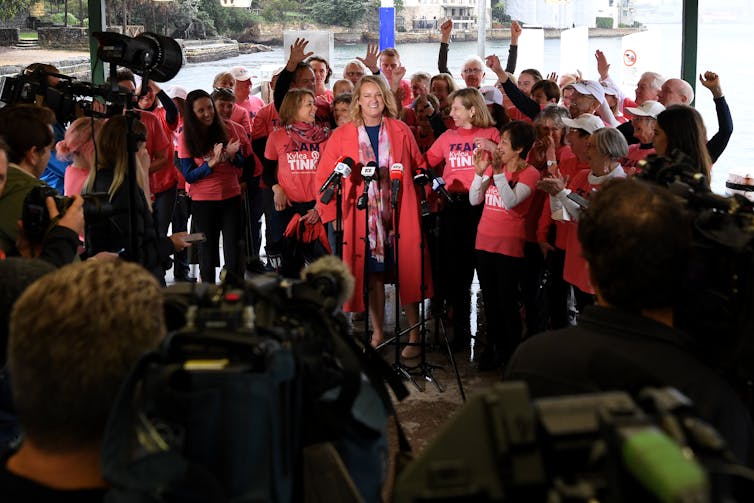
[451, 358]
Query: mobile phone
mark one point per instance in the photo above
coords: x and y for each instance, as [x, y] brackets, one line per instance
[197, 237]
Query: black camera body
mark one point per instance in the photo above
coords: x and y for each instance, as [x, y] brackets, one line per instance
[715, 306]
[65, 98]
[36, 218]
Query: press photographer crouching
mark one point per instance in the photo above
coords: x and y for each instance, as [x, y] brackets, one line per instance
[23, 157]
[636, 238]
[111, 234]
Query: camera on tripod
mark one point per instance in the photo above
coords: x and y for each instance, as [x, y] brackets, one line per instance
[36, 218]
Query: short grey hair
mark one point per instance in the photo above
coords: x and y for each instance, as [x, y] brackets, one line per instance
[610, 142]
[657, 80]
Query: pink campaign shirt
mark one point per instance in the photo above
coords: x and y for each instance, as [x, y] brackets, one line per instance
[297, 168]
[456, 148]
[503, 230]
[219, 185]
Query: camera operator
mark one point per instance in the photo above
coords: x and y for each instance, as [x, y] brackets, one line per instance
[636, 240]
[26, 129]
[63, 393]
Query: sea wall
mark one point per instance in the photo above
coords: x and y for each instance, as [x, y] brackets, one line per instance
[9, 36]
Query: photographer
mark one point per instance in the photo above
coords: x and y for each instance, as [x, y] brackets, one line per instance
[636, 240]
[26, 128]
[111, 234]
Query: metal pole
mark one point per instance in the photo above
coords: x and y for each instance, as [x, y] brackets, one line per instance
[689, 41]
[481, 6]
[96, 12]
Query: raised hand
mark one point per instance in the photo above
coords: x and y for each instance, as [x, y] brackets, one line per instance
[515, 32]
[396, 77]
[553, 76]
[493, 63]
[446, 28]
[603, 67]
[711, 81]
[298, 53]
[370, 60]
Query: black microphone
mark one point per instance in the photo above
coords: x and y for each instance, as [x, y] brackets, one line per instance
[396, 175]
[420, 177]
[367, 173]
[438, 185]
[342, 170]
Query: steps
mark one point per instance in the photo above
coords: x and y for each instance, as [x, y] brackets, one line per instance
[27, 44]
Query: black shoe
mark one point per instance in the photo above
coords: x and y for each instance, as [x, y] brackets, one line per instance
[185, 279]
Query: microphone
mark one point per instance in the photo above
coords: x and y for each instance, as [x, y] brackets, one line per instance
[331, 278]
[342, 170]
[396, 175]
[420, 177]
[438, 185]
[367, 173]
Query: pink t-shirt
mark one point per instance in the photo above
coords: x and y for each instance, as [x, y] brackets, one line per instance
[74, 180]
[252, 105]
[575, 269]
[219, 185]
[240, 115]
[456, 148]
[630, 163]
[159, 141]
[266, 121]
[503, 230]
[297, 167]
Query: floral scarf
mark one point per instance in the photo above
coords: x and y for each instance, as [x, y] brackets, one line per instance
[304, 132]
[380, 212]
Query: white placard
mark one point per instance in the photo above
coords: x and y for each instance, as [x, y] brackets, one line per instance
[574, 52]
[639, 55]
[531, 48]
[321, 43]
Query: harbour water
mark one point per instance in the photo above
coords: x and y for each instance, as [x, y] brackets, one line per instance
[718, 51]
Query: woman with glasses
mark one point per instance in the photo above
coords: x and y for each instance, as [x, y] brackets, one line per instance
[212, 161]
[453, 155]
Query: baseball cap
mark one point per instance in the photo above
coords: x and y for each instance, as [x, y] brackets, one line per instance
[590, 87]
[647, 109]
[240, 73]
[588, 122]
[491, 95]
[177, 92]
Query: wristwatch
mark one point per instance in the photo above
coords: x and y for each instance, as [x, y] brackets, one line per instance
[552, 163]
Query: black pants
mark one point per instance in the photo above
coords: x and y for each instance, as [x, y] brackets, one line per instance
[181, 215]
[213, 218]
[162, 213]
[498, 278]
[458, 225]
[534, 302]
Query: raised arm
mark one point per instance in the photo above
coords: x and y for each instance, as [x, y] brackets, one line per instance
[516, 30]
[716, 145]
[370, 60]
[446, 28]
[297, 55]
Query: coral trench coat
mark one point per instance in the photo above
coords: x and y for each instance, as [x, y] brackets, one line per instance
[344, 142]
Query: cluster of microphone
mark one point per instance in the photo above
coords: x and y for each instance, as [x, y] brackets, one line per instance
[369, 172]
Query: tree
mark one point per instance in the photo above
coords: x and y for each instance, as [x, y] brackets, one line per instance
[11, 8]
[499, 12]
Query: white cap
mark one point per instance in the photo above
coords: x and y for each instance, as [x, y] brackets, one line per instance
[590, 87]
[647, 109]
[177, 92]
[491, 95]
[588, 122]
[240, 73]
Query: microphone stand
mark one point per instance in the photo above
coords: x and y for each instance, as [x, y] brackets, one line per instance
[398, 367]
[338, 228]
[365, 286]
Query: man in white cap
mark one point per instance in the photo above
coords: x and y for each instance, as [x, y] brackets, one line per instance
[643, 119]
[242, 91]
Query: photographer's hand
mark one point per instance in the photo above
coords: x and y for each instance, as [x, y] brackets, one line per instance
[73, 218]
[178, 242]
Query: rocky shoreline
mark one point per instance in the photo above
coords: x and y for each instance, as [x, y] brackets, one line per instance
[76, 63]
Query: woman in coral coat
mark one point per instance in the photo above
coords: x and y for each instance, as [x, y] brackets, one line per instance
[375, 135]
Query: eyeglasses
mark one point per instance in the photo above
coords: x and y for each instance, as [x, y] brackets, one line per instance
[224, 90]
[472, 70]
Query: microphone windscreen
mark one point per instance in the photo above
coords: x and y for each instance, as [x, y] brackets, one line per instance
[396, 172]
[333, 271]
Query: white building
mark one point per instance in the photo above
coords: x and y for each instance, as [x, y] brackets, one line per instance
[429, 14]
[570, 13]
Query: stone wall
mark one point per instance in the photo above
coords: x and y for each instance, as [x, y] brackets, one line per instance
[59, 37]
[9, 36]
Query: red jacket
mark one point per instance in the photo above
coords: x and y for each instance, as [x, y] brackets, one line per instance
[345, 141]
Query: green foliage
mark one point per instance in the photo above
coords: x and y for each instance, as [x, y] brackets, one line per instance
[58, 19]
[605, 22]
[10, 8]
[226, 20]
[499, 12]
[338, 12]
[277, 11]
